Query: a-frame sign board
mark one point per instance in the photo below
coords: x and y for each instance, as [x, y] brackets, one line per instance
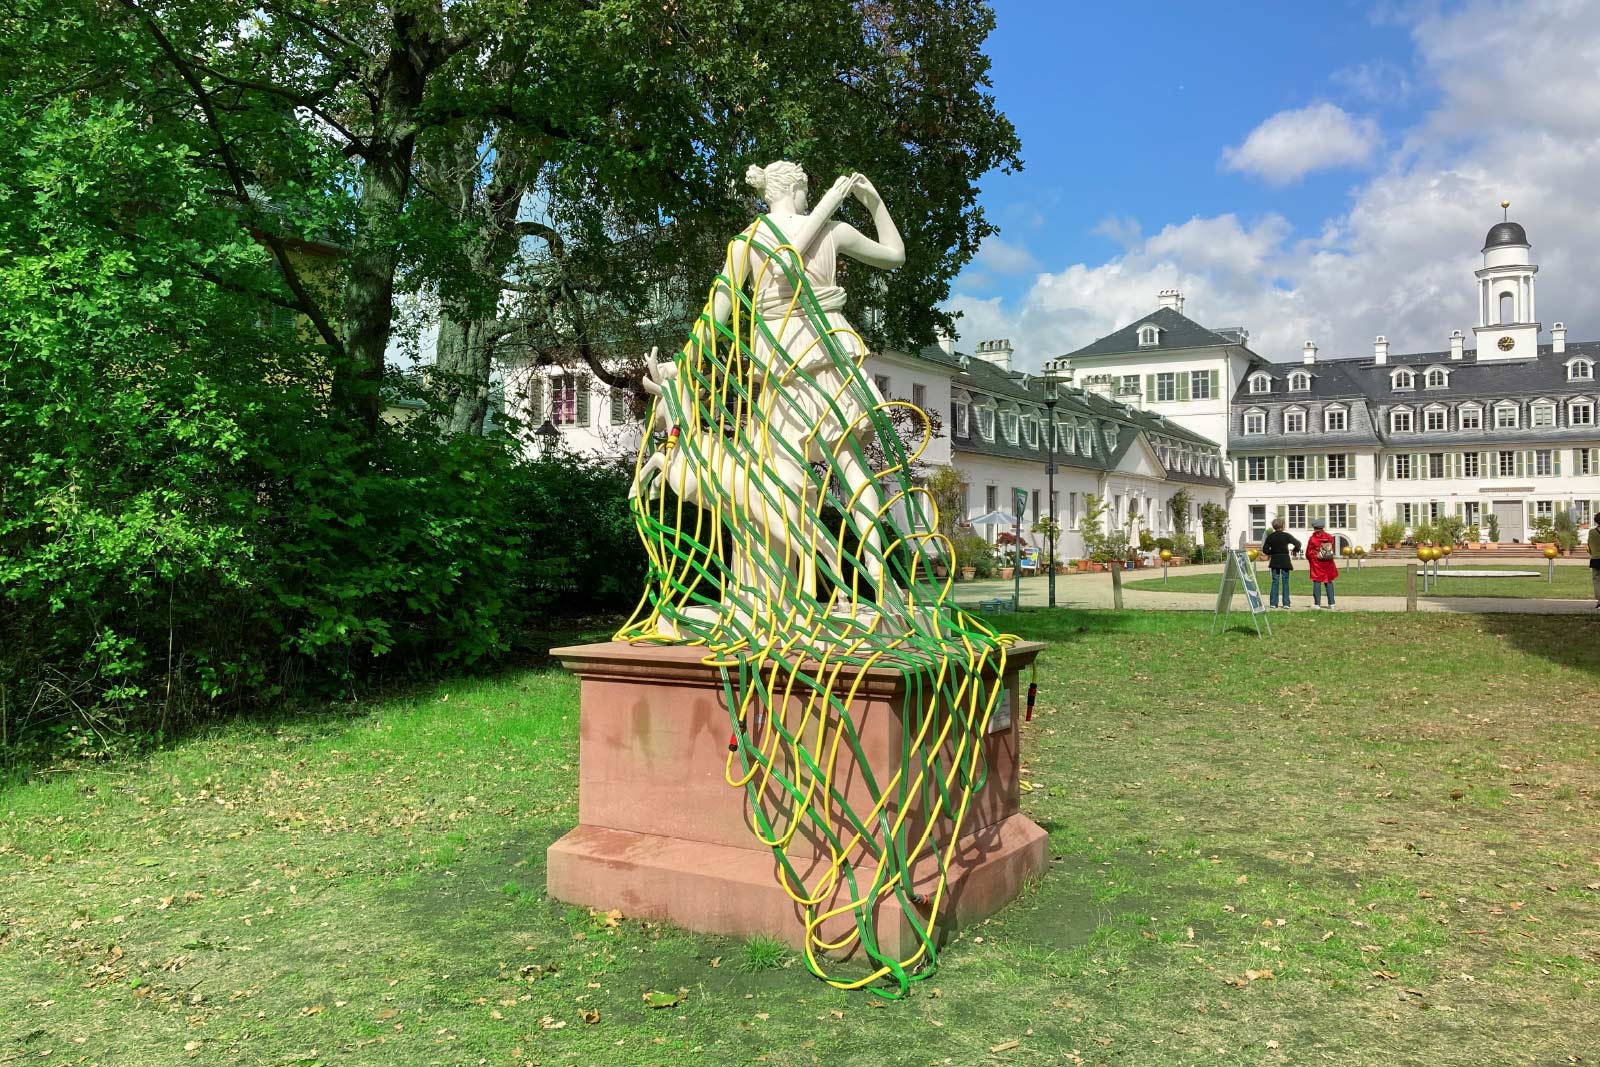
[1237, 570]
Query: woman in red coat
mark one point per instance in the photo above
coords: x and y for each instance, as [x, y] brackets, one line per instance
[1320, 552]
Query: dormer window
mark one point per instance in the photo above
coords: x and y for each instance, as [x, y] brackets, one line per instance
[1435, 419]
[1008, 425]
[1255, 421]
[1299, 382]
[986, 423]
[1335, 419]
[1261, 383]
[1402, 379]
[1030, 431]
[1086, 440]
[1110, 433]
[1294, 420]
[1580, 370]
[1149, 335]
[1438, 378]
[1580, 412]
[1469, 417]
[1067, 439]
[1400, 421]
[1542, 415]
[1506, 416]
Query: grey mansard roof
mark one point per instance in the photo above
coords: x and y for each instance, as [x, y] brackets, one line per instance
[1364, 389]
[1177, 331]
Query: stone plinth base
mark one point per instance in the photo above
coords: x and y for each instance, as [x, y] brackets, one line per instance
[662, 836]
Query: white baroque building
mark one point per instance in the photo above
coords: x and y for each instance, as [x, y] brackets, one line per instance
[1503, 428]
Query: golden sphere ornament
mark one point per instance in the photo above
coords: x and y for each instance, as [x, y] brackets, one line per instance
[1166, 555]
[1550, 551]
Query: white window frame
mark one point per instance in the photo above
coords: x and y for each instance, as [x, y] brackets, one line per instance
[1394, 417]
[1471, 459]
[986, 425]
[1342, 460]
[1327, 419]
[963, 419]
[1403, 468]
[1255, 468]
[1469, 411]
[1199, 385]
[1544, 463]
[1507, 408]
[563, 407]
[1580, 370]
[1427, 417]
[1505, 462]
[1257, 418]
[1295, 516]
[1402, 379]
[1260, 383]
[1543, 408]
[1436, 378]
[1299, 382]
[1149, 335]
[1289, 464]
[1583, 404]
[1295, 413]
[1166, 387]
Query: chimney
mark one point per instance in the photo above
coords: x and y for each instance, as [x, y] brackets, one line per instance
[1309, 355]
[1558, 337]
[996, 352]
[1170, 298]
[1380, 350]
[1456, 341]
[946, 342]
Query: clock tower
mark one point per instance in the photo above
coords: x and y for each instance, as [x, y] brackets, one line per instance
[1507, 328]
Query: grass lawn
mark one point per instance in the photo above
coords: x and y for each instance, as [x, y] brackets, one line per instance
[1571, 583]
[1373, 839]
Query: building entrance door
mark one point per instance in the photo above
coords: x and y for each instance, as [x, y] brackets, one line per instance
[1513, 520]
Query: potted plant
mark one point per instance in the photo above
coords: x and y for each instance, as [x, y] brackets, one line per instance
[1474, 537]
[1494, 530]
[1566, 532]
[971, 552]
[1390, 534]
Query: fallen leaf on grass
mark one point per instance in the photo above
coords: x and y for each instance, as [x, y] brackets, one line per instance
[549, 1022]
[657, 999]
[1387, 976]
[1272, 1044]
[716, 961]
[1004, 1046]
[590, 1015]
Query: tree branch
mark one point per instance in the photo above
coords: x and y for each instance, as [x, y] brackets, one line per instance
[241, 189]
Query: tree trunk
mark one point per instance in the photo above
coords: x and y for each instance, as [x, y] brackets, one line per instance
[463, 365]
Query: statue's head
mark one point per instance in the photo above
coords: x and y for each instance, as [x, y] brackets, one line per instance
[779, 183]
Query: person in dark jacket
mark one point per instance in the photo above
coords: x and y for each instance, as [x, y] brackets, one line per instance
[1277, 548]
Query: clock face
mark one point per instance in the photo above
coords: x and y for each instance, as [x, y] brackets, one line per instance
[1506, 344]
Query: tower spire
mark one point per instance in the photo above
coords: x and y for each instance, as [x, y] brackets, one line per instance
[1505, 211]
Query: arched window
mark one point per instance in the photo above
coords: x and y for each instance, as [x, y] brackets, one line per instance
[1149, 336]
[1508, 312]
[1438, 378]
[1403, 379]
[1580, 370]
[1261, 383]
[1299, 382]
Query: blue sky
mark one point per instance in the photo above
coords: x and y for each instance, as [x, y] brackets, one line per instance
[1310, 171]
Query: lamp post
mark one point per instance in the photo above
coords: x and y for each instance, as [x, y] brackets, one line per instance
[1050, 400]
[548, 435]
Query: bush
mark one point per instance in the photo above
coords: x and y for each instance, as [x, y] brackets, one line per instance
[1566, 531]
[1392, 532]
[973, 551]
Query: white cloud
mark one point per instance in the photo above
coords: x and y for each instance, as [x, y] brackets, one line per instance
[1003, 257]
[1399, 261]
[1292, 144]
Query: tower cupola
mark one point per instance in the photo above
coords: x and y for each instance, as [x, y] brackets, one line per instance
[1508, 327]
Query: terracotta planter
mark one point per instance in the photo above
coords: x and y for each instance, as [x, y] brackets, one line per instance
[1083, 566]
[969, 573]
[1007, 572]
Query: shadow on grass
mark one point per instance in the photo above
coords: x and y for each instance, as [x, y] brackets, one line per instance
[1571, 641]
[530, 651]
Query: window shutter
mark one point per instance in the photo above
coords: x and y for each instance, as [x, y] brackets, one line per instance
[1319, 511]
[1321, 472]
[1183, 386]
[1283, 468]
[536, 397]
[1530, 520]
[583, 401]
[1521, 463]
[1555, 458]
[1282, 512]
[1388, 467]
[1149, 386]
[619, 405]
[1215, 389]
[1419, 465]
[1487, 466]
[1238, 468]
[1350, 465]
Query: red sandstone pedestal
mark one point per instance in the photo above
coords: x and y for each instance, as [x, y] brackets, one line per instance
[662, 836]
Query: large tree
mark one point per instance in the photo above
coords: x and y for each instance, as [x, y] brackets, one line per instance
[555, 177]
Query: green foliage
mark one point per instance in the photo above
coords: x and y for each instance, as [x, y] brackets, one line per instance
[1473, 534]
[1391, 532]
[1147, 542]
[1566, 531]
[1450, 529]
[1544, 530]
[1494, 528]
[1422, 531]
[1179, 506]
[1098, 544]
[762, 953]
[973, 551]
[948, 487]
[1214, 530]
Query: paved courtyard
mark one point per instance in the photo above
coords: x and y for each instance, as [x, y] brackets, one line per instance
[1094, 591]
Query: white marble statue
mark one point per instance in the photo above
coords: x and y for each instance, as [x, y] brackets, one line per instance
[814, 410]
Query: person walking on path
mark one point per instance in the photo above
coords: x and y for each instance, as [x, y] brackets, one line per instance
[1594, 560]
[1319, 559]
[1277, 548]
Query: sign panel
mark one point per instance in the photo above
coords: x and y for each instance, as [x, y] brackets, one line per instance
[1237, 572]
[1019, 505]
